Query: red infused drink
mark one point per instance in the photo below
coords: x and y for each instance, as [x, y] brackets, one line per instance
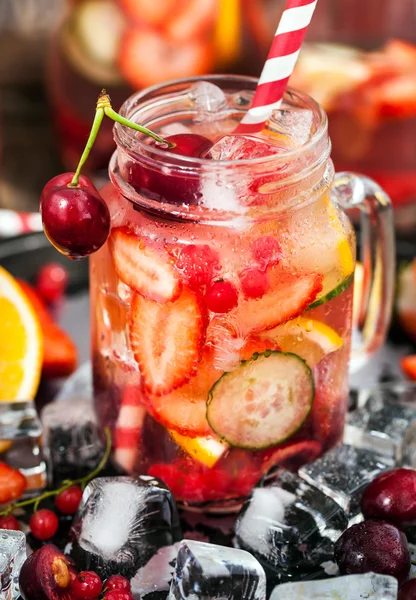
[221, 303]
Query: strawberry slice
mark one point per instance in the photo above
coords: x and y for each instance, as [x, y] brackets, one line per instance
[59, 351]
[150, 12]
[184, 409]
[167, 340]
[291, 294]
[144, 267]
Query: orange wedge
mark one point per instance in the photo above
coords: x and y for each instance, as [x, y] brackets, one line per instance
[21, 343]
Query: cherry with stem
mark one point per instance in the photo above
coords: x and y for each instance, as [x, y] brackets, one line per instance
[75, 217]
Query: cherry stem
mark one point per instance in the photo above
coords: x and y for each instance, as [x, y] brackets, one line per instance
[82, 482]
[104, 108]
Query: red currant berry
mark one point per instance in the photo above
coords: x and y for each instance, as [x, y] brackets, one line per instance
[117, 582]
[189, 144]
[43, 524]
[9, 522]
[266, 251]
[254, 283]
[86, 586]
[51, 282]
[117, 595]
[221, 297]
[197, 264]
[68, 500]
[75, 220]
[408, 590]
[392, 497]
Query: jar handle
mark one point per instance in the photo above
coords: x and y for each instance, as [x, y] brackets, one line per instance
[352, 191]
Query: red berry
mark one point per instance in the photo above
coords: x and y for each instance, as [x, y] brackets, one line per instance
[197, 264]
[221, 297]
[9, 523]
[118, 595]
[44, 524]
[374, 546]
[254, 283]
[86, 586]
[392, 497]
[51, 282]
[75, 220]
[408, 590]
[68, 500]
[12, 483]
[266, 251]
[189, 144]
[117, 582]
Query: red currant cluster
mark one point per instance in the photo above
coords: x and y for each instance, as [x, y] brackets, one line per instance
[87, 585]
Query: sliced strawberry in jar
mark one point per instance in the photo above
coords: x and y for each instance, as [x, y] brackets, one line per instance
[184, 409]
[167, 340]
[291, 294]
[144, 267]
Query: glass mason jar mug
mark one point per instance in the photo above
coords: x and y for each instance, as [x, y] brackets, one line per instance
[222, 301]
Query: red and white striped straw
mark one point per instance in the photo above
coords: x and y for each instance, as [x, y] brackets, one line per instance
[279, 65]
[15, 223]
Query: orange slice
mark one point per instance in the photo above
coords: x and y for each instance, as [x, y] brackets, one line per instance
[21, 342]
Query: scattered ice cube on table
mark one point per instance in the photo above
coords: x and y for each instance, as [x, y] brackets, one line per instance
[73, 438]
[21, 442]
[289, 526]
[370, 586]
[343, 473]
[380, 426]
[239, 147]
[207, 571]
[122, 523]
[153, 580]
[12, 556]
[208, 100]
[296, 124]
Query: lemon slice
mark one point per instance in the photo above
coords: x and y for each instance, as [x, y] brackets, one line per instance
[346, 257]
[21, 342]
[308, 338]
[206, 450]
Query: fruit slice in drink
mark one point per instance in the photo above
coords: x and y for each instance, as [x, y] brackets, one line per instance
[262, 402]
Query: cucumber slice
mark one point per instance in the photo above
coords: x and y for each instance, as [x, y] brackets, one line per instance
[336, 291]
[263, 402]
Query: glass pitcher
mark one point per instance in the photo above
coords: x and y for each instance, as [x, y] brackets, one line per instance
[222, 301]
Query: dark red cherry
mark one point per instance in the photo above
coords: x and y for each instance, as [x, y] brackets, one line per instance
[392, 496]
[75, 220]
[170, 185]
[46, 575]
[408, 590]
[375, 546]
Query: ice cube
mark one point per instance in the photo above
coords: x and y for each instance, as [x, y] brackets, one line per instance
[343, 473]
[351, 587]
[380, 426]
[21, 442]
[295, 124]
[12, 556]
[207, 571]
[239, 147]
[122, 523]
[207, 99]
[153, 580]
[289, 526]
[74, 441]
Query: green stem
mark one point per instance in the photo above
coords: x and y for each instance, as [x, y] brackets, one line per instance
[104, 108]
[82, 481]
[112, 114]
[98, 119]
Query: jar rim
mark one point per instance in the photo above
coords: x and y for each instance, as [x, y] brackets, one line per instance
[127, 138]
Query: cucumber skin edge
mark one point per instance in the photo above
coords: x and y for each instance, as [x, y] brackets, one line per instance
[336, 291]
[242, 363]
